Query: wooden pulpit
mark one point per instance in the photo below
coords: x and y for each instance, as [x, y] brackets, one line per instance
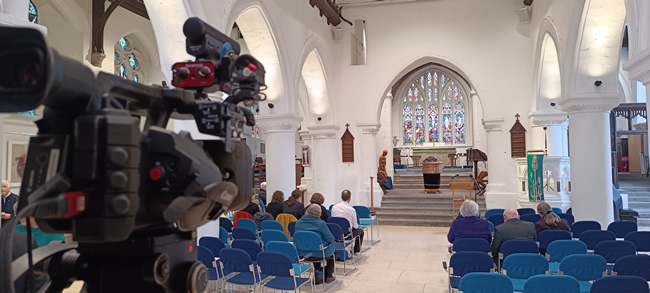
[469, 186]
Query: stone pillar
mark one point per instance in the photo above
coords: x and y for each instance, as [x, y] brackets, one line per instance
[553, 122]
[591, 176]
[370, 163]
[280, 136]
[306, 182]
[498, 193]
[325, 161]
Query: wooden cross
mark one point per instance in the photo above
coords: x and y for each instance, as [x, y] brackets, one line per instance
[517, 116]
[347, 125]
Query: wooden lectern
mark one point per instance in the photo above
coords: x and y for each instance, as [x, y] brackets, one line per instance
[469, 186]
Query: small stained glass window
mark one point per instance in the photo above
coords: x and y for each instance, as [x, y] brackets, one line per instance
[133, 62]
[33, 13]
[124, 43]
[127, 60]
[136, 78]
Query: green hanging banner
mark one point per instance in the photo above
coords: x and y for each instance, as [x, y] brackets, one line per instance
[535, 177]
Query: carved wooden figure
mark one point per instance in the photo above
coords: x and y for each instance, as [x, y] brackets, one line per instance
[382, 175]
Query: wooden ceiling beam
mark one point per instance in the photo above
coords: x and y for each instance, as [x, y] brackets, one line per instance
[328, 9]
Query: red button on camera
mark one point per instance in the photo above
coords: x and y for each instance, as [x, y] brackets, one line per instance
[155, 173]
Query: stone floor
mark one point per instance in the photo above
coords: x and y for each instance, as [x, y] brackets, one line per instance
[407, 259]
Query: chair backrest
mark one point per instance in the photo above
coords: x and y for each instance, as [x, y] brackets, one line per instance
[593, 237]
[559, 249]
[285, 248]
[214, 244]
[250, 246]
[622, 228]
[330, 208]
[206, 257]
[307, 241]
[262, 204]
[336, 230]
[533, 218]
[580, 226]
[342, 222]
[526, 211]
[273, 235]
[292, 228]
[634, 265]
[225, 223]
[612, 250]
[525, 265]
[568, 217]
[557, 211]
[569, 211]
[247, 224]
[275, 264]
[496, 219]
[551, 283]
[518, 246]
[285, 219]
[272, 224]
[224, 235]
[465, 262]
[235, 260]
[471, 244]
[609, 284]
[363, 212]
[640, 238]
[243, 233]
[584, 267]
[547, 236]
[492, 212]
[485, 282]
[240, 215]
[491, 226]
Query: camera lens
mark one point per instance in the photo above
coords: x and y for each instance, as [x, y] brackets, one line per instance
[30, 74]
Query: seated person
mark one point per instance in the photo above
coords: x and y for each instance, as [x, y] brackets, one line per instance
[470, 225]
[311, 222]
[41, 237]
[318, 199]
[346, 211]
[293, 206]
[254, 206]
[511, 229]
[549, 221]
[275, 206]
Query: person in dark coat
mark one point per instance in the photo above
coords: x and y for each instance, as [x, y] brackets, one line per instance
[319, 199]
[549, 221]
[293, 206]
[511, 229]
[275, 206]
[470, 225]
[262, 194]
[8, 200]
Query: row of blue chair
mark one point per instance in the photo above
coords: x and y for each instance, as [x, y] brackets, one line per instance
[497, 283]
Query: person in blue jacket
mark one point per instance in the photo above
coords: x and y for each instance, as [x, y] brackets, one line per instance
[311, 221]
[470, 225]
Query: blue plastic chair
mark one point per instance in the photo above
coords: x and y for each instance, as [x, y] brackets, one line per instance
[517, 246]
[526, 211]
[593, 237]
[225, 237]
[569, 211]
[552, 284]
[641, 240]
[614, 284]
[533, 218]
[278, 266]
[238, 261]
[206, 257]
[308, 242]
[585, 268]
[578, 227]
[343, 247]
[290, 251]
[547, 236]
[635, 265]
[272, 225]
[273, 235]
[492, 212]
[485, 282]
[521, 266]
[262, 205]
[491, 226]
[496, 219]
[559, 249]
[344, 224]
[622, 228]
[250, 246]
[292, 228]
[568, 217]
[247, 224]
[225, 223]
[364, 218]
[243, 233]
[465, 262]
[214, 244]
[557, 211]
[612, 250]
[471, 244]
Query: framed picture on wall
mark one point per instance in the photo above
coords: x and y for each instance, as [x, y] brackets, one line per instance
[16, 157]
[306, 156]
[263, 148]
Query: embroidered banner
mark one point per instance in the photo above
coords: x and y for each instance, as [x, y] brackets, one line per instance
[535, 177]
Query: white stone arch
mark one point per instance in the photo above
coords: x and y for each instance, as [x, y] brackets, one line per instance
[548, 57]
[311, 68]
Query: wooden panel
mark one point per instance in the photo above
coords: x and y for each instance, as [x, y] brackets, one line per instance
[518, 144]
[461, 185]
[635, 147]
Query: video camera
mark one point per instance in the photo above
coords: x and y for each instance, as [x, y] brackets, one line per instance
[131, 198]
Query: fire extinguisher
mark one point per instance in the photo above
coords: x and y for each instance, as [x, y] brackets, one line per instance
[625, 164]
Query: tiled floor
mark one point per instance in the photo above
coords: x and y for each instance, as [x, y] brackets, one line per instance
[407, 259]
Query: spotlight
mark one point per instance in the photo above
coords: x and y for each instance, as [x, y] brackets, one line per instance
[271, 106]
[320, 118]
[553, 104]
[598, 83]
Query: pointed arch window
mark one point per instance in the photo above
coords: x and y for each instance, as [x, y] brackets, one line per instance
[434, 110]
[127, 60]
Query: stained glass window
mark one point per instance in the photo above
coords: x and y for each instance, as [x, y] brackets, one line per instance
[407, 114]
[33, 13]
[136, 78]
[124, 43]
[122, 72]
[441, 119]
[127, 60]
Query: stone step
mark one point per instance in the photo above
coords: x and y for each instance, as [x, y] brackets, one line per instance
[639, 205]
[416, 222]
[425, 207]
[643, 223]
[415, 216]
